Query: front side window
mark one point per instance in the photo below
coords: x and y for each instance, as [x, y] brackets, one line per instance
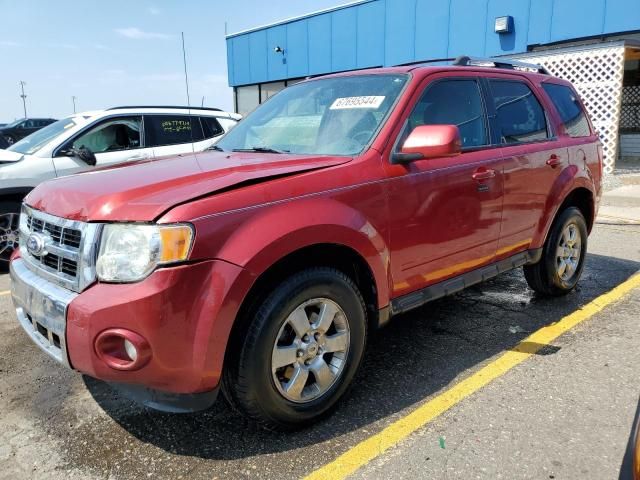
[162, 130]
[566, 102]
[117, 134]
[453, 102]
[329, 116]
[519, 113]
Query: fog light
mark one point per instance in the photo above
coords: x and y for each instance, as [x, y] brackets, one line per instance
[122, 349]
[131, 350]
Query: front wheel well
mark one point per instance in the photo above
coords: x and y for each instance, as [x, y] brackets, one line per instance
[340, 257]
[582, 199]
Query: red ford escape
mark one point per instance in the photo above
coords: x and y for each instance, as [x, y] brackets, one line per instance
[260, 266]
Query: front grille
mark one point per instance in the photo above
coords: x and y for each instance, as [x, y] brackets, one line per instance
[70, 248]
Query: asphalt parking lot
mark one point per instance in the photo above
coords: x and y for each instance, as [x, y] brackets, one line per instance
[564, 412]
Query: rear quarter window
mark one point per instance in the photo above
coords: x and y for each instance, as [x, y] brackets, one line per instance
[569, 108]
[211, 127]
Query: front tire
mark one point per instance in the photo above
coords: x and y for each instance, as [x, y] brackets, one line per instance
[562, 262]
[10, 140]
[9, 221]
[299, 351]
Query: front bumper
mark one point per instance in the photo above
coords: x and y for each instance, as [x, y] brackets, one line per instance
[41, 309]
[185, 313]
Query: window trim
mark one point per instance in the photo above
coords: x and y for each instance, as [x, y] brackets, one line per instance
[551, 134]
[69, 141]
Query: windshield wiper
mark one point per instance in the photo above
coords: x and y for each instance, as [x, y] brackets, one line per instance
[260, 150]
[216, 148]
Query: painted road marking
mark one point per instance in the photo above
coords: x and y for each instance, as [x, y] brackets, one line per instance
[6, 292]
[368, 449]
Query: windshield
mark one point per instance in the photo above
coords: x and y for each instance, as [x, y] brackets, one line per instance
[14, 123]
[34, 142]
[332, 116]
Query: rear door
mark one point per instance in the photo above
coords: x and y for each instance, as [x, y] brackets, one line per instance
[580, 137]
[173, 134]
[446, 212]
[533, 157]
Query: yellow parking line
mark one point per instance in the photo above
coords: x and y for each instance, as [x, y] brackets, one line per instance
[6, 292]
[368, 449]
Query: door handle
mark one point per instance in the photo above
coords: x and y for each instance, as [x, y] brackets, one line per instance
[554, 160]
[483, 174]
[139, 157]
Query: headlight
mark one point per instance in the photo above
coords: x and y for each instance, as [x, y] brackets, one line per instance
[130, 252]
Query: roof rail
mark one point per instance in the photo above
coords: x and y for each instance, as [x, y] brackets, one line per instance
[506, 63]
[181, 107]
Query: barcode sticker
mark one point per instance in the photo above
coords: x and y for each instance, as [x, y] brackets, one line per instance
[357, 102]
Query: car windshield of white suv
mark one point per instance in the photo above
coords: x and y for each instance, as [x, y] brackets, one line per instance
[332, 116]
[34, 142]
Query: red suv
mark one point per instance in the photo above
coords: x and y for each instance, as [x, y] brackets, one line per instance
[260, 266]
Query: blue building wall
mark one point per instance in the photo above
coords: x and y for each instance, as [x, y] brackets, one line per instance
[390, 32]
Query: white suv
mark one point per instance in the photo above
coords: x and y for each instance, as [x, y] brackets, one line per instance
[97, 139]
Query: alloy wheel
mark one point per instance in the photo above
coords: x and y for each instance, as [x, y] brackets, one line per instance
[310, 351]
[568, 252]
[8, 235]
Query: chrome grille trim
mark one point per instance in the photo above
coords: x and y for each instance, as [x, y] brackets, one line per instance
[72, 251]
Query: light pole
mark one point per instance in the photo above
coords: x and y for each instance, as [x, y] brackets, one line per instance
[73, 99]
[24, 97]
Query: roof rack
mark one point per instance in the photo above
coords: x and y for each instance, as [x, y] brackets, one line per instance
[181, 107]
[506, 63]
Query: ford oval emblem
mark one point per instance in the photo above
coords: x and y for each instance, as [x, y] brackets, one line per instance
[36, 244]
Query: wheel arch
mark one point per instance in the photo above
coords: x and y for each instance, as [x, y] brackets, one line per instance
[575, 191]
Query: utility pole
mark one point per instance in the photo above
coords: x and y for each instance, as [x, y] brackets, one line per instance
[73, 99]
[24, 97]
[202, 103]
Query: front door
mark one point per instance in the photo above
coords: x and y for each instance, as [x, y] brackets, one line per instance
[115, 140]
[446, 212]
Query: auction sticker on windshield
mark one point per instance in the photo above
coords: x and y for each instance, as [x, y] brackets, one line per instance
[357, 102]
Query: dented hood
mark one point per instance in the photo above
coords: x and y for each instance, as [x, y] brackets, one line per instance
[143, 191]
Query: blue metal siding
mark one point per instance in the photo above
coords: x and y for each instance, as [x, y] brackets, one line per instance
[370, 35]
[344, 39]
[432, 32]
[391, 32]
[319, 44]
[298, 51]
[399, 45]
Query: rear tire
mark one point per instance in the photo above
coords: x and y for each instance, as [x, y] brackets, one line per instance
[563, 254]
[9, 220]
[299, 351]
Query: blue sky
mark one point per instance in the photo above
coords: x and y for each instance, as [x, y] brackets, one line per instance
[118, 52]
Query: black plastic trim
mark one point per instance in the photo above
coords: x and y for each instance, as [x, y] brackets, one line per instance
[447, 287]
[167, 401]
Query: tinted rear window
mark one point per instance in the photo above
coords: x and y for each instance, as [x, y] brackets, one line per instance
[520, 115]
[171, 130]
[566, 102]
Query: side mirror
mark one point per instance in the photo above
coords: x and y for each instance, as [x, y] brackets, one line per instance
[429, 141]
[83, 153]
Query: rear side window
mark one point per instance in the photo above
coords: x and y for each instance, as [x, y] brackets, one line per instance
[161, 130]
[520, 116]
[453, 102]
[211, 127]
[566, 102]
